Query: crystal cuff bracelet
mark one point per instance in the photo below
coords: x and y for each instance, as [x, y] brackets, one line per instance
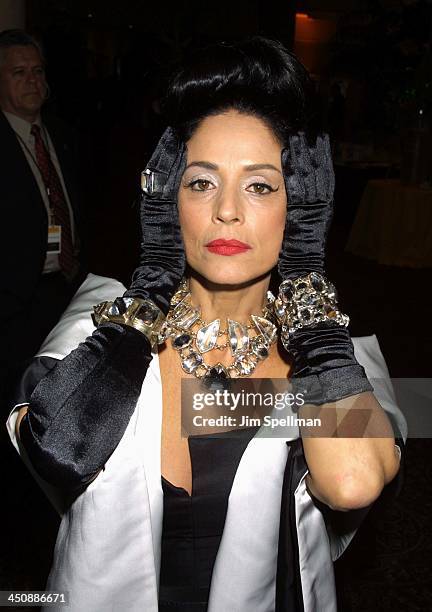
[140, 314]
[306, 301]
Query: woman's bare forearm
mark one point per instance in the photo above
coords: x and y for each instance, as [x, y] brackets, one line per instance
[353, 455]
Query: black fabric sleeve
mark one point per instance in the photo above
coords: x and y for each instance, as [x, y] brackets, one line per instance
[79, 412]
[324, 364]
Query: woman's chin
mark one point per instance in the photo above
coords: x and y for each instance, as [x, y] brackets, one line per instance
[231, 277]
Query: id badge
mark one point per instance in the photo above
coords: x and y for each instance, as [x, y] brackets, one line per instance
[54, 239]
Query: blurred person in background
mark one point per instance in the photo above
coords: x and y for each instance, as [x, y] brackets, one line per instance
[39, 238]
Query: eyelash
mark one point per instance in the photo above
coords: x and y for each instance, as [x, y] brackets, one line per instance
[265, 185]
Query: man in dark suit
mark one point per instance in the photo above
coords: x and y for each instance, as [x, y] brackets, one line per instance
[39, 235]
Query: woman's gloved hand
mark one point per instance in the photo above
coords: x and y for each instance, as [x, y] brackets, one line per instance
[313, 330]
[309, 183]
[162, 259]
[78, 413]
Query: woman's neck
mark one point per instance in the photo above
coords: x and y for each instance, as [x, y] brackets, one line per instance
[228, 301]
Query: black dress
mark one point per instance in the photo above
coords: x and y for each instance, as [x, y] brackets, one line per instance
[193, 525]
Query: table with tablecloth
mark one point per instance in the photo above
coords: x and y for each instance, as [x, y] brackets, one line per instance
[393, 224]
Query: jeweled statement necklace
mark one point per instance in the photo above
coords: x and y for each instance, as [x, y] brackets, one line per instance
[192, 338]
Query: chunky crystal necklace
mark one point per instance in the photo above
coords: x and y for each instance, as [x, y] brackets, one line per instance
[192, 337]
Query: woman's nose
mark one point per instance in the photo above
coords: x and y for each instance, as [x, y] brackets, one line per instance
[228, 208]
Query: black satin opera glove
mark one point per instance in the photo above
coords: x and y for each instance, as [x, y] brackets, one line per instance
[309, 183]
[324, 364]
[162, 259]
[79, 411]
[322, 352]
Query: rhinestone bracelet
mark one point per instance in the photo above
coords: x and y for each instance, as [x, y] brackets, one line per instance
[140, 314]
[306, 301]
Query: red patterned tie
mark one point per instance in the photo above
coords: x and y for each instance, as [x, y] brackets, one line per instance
[58, 204]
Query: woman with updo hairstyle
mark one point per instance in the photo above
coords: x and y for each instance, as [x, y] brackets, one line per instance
[229, 518]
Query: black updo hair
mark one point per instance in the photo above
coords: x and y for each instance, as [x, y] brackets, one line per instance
[254, 76]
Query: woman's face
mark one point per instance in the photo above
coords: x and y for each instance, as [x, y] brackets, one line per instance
[232, 199]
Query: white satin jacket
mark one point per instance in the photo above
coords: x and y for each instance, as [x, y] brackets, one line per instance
[107, 554]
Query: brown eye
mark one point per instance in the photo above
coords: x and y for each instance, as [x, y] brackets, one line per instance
[200, 185]
[260, 188]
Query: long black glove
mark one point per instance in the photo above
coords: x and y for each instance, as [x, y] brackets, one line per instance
[78, 413]
[323, 354]
[162, 260]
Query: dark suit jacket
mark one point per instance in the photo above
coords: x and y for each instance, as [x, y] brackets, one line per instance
[24, 221]
[29, 306]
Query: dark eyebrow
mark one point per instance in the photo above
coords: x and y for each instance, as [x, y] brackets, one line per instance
[203, 164]
[18, 66]
[251, 168]
[254, 167]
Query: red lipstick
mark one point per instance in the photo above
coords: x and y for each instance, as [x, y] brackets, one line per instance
[227, 247]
